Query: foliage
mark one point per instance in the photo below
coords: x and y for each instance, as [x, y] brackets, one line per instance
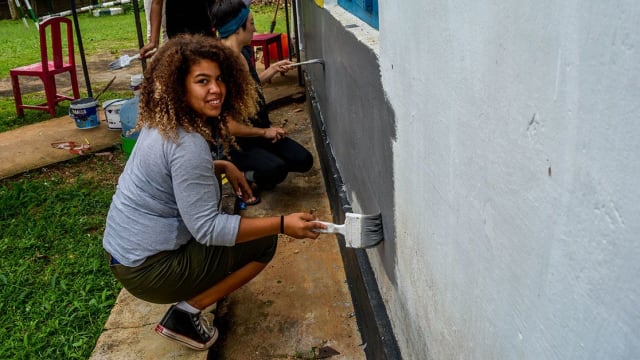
[56, 290]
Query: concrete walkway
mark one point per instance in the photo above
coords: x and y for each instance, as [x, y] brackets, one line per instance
[29, 147]
[299, 307]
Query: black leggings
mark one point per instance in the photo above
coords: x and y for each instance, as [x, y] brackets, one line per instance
[270, 162]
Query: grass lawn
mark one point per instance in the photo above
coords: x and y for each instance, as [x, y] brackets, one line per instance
[56, 290]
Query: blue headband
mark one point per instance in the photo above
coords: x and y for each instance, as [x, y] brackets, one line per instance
[234, 24]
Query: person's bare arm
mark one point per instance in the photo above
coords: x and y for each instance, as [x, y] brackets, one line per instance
[281, 66]
[241, 130]
[236, 177]
[156, 22]
[297, 225]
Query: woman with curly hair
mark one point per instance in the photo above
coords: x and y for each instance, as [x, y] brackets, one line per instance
[165, 238]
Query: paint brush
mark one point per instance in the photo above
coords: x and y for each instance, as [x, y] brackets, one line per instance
[312, 61]
[359, 231]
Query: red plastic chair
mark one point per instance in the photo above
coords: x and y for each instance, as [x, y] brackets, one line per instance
[264, 41]
[54, 62]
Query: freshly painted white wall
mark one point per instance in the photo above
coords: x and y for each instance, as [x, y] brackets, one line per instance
[515, 186]
[517, 178]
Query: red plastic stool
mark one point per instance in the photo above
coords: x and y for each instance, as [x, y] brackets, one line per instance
[263, 41]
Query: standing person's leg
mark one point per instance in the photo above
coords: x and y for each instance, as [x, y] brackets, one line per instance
[147, 15]
[163, 26]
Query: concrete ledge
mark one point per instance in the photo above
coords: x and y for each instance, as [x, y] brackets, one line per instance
[375, 328]
[29, 147]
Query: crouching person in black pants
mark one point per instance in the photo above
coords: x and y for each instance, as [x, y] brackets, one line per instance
[266, 155]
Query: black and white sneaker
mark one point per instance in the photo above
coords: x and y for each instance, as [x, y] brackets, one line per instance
[188, 329]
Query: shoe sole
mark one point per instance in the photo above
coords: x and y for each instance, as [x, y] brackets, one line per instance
[190, 343]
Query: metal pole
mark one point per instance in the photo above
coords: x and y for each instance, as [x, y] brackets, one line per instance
[294, 4]
[286, 20]
[136, 15]
[81, 48]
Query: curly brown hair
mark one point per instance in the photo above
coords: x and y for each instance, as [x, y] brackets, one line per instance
[163, 102]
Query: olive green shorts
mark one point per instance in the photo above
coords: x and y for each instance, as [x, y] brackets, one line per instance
[172, 276]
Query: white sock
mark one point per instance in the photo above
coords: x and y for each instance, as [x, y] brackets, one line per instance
[183, 305]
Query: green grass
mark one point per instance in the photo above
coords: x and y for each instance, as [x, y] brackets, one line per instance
[263, 15]
[56, 290]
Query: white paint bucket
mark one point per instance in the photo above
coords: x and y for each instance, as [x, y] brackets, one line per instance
[85, 113]
[136, 83]
[112, 113]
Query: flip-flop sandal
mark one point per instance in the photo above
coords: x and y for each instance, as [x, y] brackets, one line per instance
[256, 194]
[254, 202]
[242, 205]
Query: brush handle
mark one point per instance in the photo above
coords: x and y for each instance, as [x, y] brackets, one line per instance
[312, 61]
[331, 228]
[149, 53]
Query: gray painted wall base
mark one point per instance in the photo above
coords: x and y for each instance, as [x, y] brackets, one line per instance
[378, 339]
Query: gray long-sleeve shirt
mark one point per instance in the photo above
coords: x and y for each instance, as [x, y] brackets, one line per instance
[167, 194]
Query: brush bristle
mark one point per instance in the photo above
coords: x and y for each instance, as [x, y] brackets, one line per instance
[363, 231]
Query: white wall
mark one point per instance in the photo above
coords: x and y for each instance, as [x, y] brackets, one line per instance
[517, 178]
[511, 199]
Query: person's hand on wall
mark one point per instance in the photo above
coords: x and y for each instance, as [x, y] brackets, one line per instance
[274, 133]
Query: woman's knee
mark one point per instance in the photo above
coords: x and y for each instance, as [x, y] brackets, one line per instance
[269, 178]
[304, 163]
[297, 157]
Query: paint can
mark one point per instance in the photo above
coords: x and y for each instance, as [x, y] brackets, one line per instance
[129, 120]
[112, 113]
[136, 84]
[129, 117]
[85, 113]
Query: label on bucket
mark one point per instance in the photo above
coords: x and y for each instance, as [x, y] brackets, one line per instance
[85, 113]
[112, 113]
